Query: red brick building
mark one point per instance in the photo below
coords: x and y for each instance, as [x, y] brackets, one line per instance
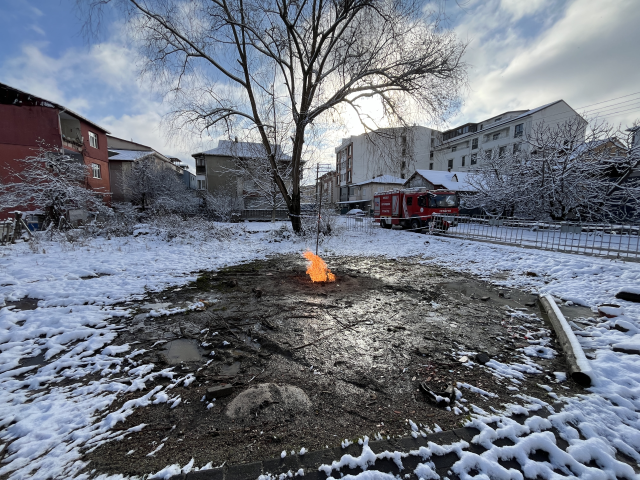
[25, 119]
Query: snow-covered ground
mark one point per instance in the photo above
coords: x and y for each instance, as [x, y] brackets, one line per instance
[51, 412]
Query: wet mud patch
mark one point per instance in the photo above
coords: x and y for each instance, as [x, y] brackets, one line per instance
[286, 363]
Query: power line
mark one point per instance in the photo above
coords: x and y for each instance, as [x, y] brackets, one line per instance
[613, 105]
[610, 100]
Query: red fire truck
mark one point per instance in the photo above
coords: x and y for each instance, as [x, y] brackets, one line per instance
[413, 207]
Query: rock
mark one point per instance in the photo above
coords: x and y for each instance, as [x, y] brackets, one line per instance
[610, 310]
[424, 350]
[219, 391]
[464, 359]
[257, 292]
[482, 358]
[269, 399]
[232, 283]
[531, 274]
[628, 295]
[484, 299]
[439, 399]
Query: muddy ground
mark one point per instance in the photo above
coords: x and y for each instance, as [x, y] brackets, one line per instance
[312, 364]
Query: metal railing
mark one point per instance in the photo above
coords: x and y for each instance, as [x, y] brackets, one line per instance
[263, 214]
[364, 224]
[602, 239]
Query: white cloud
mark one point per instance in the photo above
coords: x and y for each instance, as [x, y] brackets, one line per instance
[585, 56]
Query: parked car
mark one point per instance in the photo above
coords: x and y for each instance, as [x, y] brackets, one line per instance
[355, 212]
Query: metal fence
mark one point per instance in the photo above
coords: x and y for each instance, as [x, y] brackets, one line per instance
[361, 224]
[611, 240]
[263, 215]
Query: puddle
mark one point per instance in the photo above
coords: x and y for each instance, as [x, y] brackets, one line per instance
[25, 303]
[182, 350]
[230, 370]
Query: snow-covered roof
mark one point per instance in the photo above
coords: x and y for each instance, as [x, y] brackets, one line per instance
[228, 148]
[382, 179]
[129, 155]
[456, 181]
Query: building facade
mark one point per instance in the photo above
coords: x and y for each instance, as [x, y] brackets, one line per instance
[395, 152]
[123, 154]
[26, 119]
[238, 171]
[460, 149]
[360, 195]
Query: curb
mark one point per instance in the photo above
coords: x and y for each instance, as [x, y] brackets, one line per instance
[579, 366]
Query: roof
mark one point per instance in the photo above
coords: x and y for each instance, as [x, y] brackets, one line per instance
[456, 181]
[129, 155]
[229, 148]
[50, 104]
[496, 124]
[382, 179]
[127, 141]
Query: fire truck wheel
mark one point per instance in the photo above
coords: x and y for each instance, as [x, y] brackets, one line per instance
[415, 225]
[384, 224]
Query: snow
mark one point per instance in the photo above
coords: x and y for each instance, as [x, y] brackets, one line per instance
[47, 423]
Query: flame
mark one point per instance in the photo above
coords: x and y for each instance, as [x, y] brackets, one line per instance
[318, 270]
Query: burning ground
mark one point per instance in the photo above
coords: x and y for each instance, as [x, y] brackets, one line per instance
[292, 363]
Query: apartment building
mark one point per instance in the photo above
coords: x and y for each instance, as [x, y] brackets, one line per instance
[397, 152]
[459, 149]
[26, 120]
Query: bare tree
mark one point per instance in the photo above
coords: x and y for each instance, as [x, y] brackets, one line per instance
[52, 181]
[275, 66]
[157, 187]
[570, 170]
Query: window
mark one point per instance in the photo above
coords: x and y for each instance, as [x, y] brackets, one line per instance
[422, 201]
[431, 155]
[474, 158]
[464, 160]
[496, 136]
[474, 144]
[200, 162]
[95, 169]
[93, 139]
[431, 166]
[454, 148]
[349, 176]
[502, 151]
[409, 200]
[518, 130]
[201, 184]
[450, 163]
[497, 119]
[516, 147]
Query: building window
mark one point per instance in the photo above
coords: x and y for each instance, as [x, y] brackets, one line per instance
[199, 162]
[431, 166]
[474, 158]
[516, 147]
[201, 184]
[93, 139]
[348, 176]
[431, 154]
[474, 144]
[454, 148]
[95, 169]
[450, 163]
[518, 130]
[496, 136]
[464, 160]
[502, 151]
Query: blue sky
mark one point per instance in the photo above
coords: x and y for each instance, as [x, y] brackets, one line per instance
[522, 54]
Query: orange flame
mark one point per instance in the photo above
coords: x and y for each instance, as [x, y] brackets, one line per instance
[317, 269]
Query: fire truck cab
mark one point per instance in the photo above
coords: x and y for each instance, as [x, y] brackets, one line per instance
[413, 208]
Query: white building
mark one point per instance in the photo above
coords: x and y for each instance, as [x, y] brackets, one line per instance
[396, 152]
[458, 149]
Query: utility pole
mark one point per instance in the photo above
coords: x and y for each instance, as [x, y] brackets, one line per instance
[319, 201]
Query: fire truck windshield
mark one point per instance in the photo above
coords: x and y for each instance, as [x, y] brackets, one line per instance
[443, 201]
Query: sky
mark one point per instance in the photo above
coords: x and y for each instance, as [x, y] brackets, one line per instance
[521, 54]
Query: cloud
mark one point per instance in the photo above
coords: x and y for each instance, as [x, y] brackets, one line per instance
[37, 29]
[584, 56]
[100, 83]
